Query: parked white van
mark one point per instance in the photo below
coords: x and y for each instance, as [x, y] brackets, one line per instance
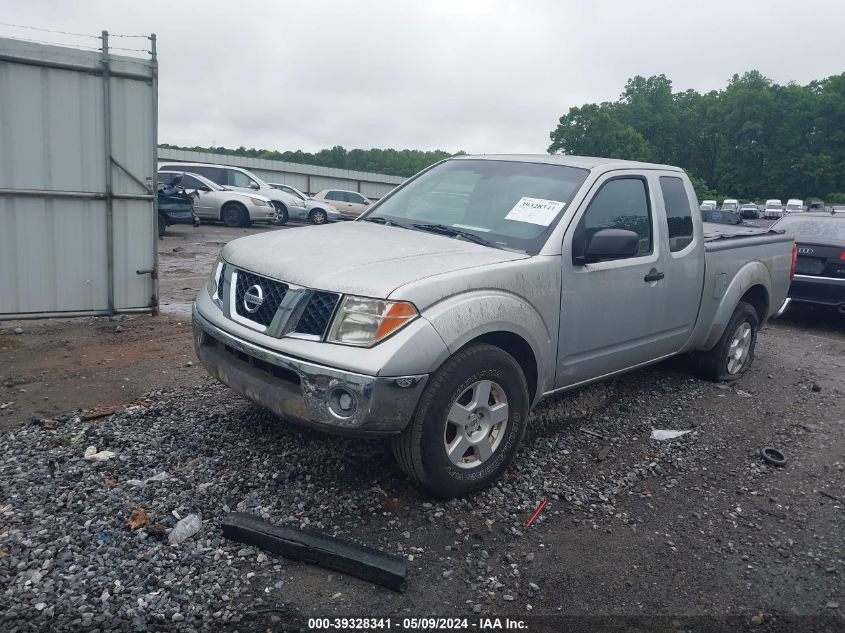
[730, 204]
[774, 209]
[794, 205]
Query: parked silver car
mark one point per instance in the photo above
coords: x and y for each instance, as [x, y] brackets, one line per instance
[475, 289]
[316, 211]
[214, 202]
[239, 179]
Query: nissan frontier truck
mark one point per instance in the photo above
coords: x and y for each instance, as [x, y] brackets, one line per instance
[474, 290]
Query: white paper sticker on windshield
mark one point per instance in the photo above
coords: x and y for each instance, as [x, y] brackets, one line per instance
[535, 211]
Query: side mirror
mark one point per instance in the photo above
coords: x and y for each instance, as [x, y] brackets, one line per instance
[205, 188]
[610, 244]
[254, 185]
[367, 202]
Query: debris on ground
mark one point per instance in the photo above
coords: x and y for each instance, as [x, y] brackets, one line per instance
[93, 455]
[773, 456]
[587, 431]
[138, 519]
[140, 483]
[536, 513]
[320, 549]
[185, 529]
[663, 434]
[101, 412]
[602, 453]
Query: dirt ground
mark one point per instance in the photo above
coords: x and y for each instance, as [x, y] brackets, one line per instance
[59, 365]
[729, 537]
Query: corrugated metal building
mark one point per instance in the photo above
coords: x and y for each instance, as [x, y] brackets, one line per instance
[307, 178]
[77, 165]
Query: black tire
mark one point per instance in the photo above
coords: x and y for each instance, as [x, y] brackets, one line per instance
[420, 449]
[714, 364]
[162, 226]
[282, 211]
[318, 216]
[234, 215]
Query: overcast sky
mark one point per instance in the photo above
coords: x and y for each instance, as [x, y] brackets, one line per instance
[473, 75]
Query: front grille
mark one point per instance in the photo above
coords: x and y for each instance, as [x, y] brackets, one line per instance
[273, 292]
[317, 314]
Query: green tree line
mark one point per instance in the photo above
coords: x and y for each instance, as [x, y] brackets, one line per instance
[753, 140]
[394, 162]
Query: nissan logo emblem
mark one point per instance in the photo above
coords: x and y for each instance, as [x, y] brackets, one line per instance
[804, 250]
[253, 299]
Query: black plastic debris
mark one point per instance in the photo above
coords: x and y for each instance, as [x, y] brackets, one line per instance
[320, 549]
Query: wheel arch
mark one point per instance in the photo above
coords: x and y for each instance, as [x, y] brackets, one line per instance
[521, 351]
[501, 319]
[751, 283]
[236, 203]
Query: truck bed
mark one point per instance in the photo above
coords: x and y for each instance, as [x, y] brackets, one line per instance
[714, 232]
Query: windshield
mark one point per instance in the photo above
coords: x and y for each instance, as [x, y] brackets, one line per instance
[794, 207]
[818, 228]
[774, 205]
[512, 205]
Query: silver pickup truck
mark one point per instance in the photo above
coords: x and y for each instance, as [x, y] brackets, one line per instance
[474, 290]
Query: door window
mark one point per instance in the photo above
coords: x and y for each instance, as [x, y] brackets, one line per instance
[240, 179]
[336, 195]
[678, 212]
[189, 182]
[355, 198]
[621, 203]
[215, 174]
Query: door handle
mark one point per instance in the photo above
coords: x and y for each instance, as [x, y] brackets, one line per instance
[653, 275]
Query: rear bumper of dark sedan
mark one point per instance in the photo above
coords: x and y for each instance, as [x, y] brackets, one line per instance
[826, 291]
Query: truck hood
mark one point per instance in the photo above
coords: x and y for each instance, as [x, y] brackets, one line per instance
[357, 257]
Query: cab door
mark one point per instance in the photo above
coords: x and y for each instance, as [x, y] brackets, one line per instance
[612, 311]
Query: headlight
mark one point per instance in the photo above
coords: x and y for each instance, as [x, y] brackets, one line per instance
[215, 281]
[298, 203]
[364, 322]
[258, 202]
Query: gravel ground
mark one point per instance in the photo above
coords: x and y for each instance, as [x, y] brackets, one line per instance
[698, 525]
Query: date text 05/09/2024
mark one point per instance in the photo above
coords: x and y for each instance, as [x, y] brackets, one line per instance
[413, 624]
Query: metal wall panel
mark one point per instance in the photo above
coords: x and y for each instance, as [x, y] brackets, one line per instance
[308, 178]
[77, 215]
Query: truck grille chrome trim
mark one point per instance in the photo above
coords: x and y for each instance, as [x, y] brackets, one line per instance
[317, 314]
[277, 308]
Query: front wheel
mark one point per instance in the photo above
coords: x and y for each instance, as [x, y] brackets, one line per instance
[234, 215]
[732, 355]
[318, 216]
[282, 216]
[468, 425]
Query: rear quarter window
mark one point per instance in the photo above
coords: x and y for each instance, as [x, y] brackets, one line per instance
[678, 212]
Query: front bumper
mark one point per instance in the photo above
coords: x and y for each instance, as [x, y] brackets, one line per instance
[305, 392]
[261, 214]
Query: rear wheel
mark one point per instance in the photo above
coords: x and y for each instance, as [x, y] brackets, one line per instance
[468, 424]
[317, 216]
[733, 354]
[234, 215]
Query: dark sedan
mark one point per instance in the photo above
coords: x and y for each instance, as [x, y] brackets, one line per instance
[820, 268]
[717, 216]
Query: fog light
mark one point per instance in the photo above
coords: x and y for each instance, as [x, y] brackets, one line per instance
[343, 402]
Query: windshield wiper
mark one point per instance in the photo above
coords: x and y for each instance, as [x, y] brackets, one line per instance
[451, 231]
[381, 220]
